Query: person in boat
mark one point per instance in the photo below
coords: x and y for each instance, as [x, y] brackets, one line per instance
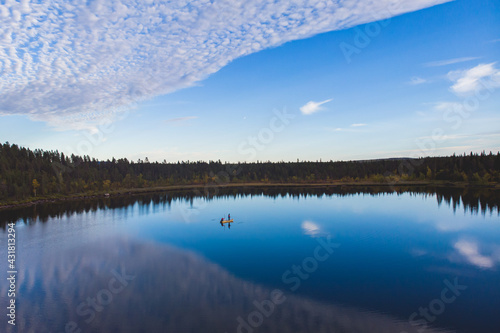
[221, 220]
[228, 216]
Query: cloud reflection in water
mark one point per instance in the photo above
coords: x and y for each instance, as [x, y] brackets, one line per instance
[173, 291]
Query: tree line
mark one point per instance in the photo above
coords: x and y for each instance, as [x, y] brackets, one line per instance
[26, 173]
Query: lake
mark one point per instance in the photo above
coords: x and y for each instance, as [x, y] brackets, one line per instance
[294, 260]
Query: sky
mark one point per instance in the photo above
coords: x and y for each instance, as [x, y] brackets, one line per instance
[251, 80]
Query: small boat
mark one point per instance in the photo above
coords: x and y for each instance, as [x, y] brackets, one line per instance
[226, 221]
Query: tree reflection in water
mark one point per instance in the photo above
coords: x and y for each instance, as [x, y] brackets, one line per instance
[472, 200]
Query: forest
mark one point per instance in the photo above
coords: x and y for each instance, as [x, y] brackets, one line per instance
[27, 174]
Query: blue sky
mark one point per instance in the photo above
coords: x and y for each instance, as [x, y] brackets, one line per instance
[257, 81]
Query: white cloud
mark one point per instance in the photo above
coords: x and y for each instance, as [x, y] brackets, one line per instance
[449, 61]
[417, 80]
[312, 107]
[443, 106]
[59, 59]
[483, 76]
[176, 120]
[347, 129]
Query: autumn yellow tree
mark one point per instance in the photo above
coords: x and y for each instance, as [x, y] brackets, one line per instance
[106, 185]
[35, 185]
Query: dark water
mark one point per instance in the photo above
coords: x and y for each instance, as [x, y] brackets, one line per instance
[301, 260]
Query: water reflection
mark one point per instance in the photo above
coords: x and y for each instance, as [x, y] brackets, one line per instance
[120, 285]
[471, 251]
[312, 229]
[473, 201]
[396, 250]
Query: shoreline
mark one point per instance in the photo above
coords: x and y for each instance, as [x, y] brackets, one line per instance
[144, 190]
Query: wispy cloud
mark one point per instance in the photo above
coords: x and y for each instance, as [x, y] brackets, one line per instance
[61, 58]
[417, 80]
[312, 107]
[483, 76]
[176, 120]
[449, 61]
[445, 106]
[354, 128]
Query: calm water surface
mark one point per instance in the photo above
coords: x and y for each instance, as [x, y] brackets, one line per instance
[292, 261]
